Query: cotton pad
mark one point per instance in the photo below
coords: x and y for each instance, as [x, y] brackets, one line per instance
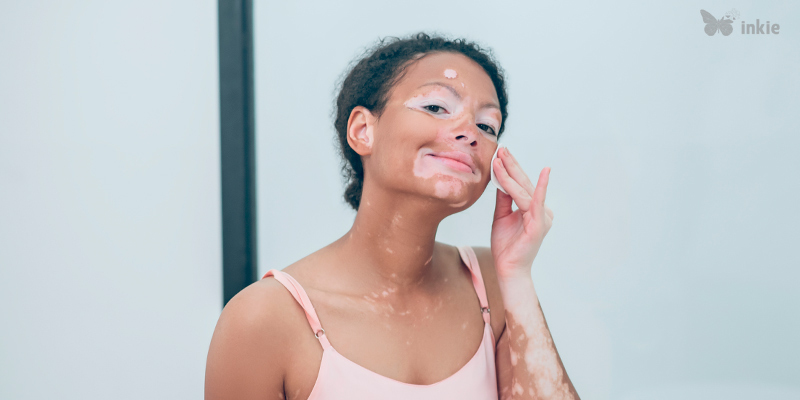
[494, 177]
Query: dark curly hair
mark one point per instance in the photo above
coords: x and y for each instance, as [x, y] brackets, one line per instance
[370, 81]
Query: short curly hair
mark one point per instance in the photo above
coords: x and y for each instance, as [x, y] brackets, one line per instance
[369, 82]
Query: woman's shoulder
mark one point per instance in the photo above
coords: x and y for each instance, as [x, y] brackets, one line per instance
[265, 302]
[264, 313]
[248, 351]
[266, 310]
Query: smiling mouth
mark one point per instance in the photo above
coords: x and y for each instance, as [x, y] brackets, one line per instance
[454, 164]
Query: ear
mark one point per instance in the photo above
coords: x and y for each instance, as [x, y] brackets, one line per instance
[360, 127]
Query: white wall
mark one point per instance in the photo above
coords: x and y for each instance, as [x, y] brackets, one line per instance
[670, 270]
[110, 254]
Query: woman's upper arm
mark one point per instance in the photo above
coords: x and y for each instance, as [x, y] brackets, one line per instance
[246, 358]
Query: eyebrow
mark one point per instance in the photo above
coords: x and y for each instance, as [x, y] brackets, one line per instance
[489, 104]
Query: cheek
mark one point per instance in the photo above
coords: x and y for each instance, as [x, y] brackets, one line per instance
[404, 131]
[442, 133]
[487, 153]
[485, 156]
[417, 124]
[490, 137]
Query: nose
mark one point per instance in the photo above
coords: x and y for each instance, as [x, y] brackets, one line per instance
[465, 131]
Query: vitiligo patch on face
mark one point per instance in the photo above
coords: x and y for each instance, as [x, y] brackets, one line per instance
[450, 74]
[451, 181]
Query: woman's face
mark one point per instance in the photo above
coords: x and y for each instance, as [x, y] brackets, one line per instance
[437, 134]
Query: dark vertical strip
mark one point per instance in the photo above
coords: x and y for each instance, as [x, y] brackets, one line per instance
[237, 146]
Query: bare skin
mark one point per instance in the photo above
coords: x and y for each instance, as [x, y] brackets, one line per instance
[390, 297]
[528, 363]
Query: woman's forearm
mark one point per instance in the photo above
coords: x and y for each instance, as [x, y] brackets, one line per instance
[537, 370]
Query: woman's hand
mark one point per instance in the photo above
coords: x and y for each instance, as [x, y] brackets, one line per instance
[517, 235]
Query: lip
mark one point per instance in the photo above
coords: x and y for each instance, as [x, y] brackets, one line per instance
[456, 156]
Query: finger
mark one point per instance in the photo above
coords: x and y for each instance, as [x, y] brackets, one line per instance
[515, 171]
[502, 205]
[517, 192]
[540, 193]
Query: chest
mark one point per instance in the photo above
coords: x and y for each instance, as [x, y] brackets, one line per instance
[413, 343]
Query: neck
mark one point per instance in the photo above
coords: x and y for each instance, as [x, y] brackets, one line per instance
[392, 243]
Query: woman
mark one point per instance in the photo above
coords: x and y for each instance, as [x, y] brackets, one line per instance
[386, 312]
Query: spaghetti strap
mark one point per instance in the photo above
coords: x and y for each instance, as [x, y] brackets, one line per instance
[471, 260]
[300, 295]
[339, 377]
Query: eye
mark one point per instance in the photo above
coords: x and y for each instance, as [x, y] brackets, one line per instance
[433, 108]
[488, 129]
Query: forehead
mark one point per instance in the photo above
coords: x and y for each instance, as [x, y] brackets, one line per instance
[431, 68]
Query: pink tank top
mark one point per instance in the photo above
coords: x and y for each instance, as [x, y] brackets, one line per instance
[340, 378]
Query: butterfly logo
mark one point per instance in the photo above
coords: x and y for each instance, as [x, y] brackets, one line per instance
[713, 25]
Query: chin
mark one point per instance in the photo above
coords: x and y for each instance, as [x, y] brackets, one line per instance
[452, 191]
